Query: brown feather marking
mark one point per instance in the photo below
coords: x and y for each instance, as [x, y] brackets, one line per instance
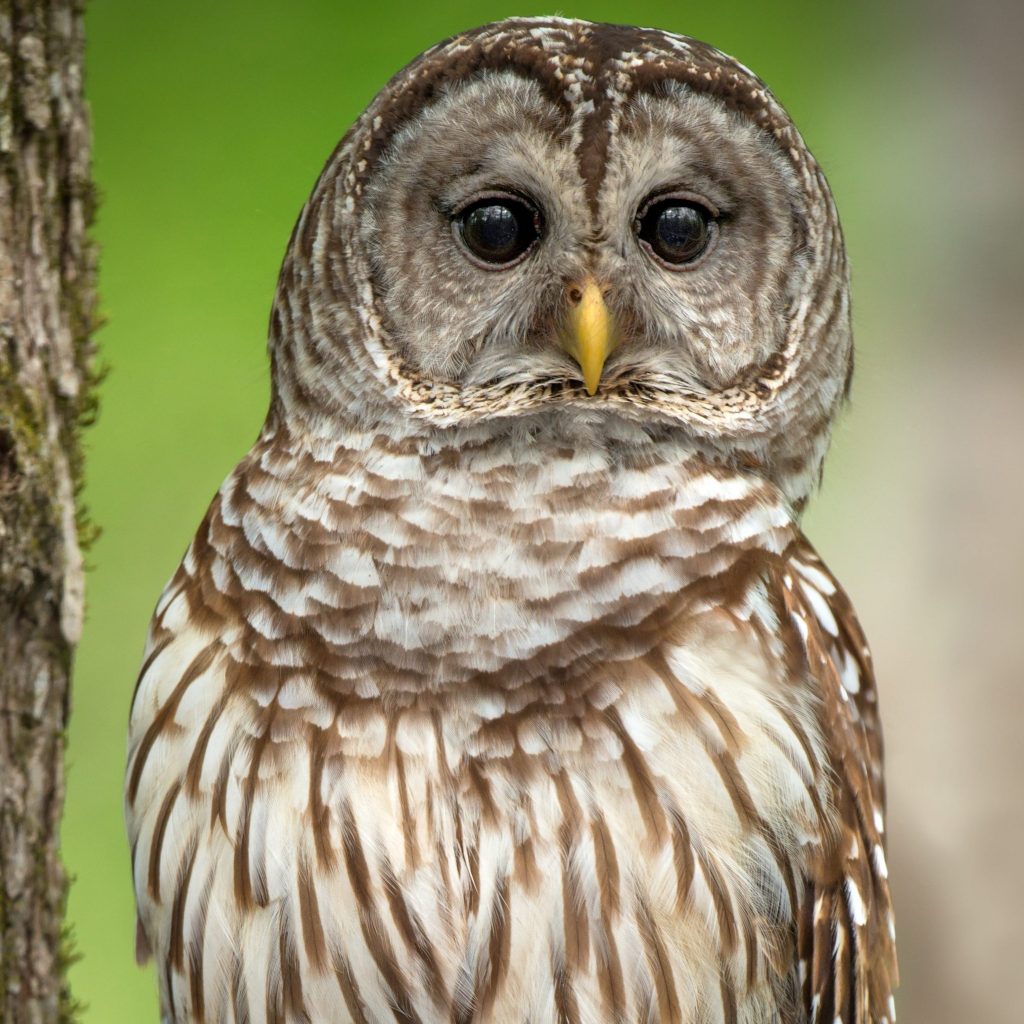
[805, 943]
[609, 973]
[697, 709]
[413, 933]
[610, 980]
[682, 854]
[143, 947]
[722, 747]
[273, 997]
[370, 924]
[842, 958]
[349, 990]
[482, 787]
[313, 938]
[607, 869]
[728, 728]
[566, 1007]
[472, 861]
[441, 750]
[158, 648]
[499, 944]
[194, 772]
[644, 792]
[429, 811]
[239, 992]
[176, 943]
[475, 995]
[750, 946]
[821, 963]
[291, 998]
[250, 892]
[196, 945]
[165, 716]
[525, 867]
[441, 854]
[660, 963]
[159, 832]
[574, 912]
[751, 817]
[809, 784]
[730, 1013]
[319, 816]
[723, 904]
[168, 989]
[412, 858]
[219, 797]
[736, 786]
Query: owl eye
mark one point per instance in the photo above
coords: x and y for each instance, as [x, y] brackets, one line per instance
[498, 230]
[677, 231]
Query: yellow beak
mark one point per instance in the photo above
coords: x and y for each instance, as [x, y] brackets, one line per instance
[589, 338]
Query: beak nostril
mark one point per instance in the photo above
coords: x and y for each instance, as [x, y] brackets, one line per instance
[588, 335]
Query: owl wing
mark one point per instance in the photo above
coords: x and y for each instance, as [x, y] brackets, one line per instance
[845, 936]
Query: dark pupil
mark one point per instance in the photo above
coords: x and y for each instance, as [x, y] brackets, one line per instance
[498, 231]
[677, 232]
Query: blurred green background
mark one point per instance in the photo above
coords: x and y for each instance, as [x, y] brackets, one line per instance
[212, 121]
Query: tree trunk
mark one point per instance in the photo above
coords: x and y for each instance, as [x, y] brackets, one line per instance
[46, 316]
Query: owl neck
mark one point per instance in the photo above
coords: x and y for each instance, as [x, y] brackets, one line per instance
[457, 556]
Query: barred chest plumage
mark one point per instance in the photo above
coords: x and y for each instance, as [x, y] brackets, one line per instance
[419, 739]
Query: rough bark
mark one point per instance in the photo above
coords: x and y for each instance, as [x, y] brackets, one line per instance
[46, 311]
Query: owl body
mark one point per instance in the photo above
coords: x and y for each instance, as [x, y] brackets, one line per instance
[490, 689]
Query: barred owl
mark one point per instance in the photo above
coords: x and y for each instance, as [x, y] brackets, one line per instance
[499, 683]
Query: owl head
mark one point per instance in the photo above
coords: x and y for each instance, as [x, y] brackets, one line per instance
[549, 223]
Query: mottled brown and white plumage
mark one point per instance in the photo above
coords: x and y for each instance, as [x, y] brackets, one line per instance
[480, 697]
